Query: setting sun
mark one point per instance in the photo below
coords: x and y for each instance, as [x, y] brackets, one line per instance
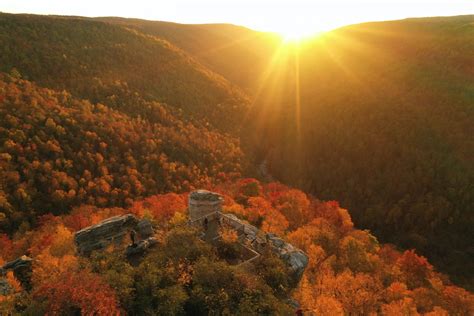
[298, 32]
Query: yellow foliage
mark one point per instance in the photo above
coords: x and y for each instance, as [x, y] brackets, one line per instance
[328, 306]
[228, 235]
[47, 267]
[178, 219]
[63, 243]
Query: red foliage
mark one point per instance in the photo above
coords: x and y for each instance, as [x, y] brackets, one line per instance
[6, 247]
[48, 220]
[161, 207]
[84, 291]
[274, 190]
[415, 269]
[458, 301]
[388, 254]
[249, 187]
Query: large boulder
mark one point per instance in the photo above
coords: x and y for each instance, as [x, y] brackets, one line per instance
[101, 235]
[145, 229]
[140, 248]
[297, 261]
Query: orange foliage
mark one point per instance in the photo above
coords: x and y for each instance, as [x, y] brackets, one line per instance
[405, 306]
[358, 293]
[14, 283]
[336, 215]
[328, 306]
[257, 209]
[396, 291]
[294, 205]
[331, 285]
[47, 267]
[161, 207]
[275, 222]
[458, 301]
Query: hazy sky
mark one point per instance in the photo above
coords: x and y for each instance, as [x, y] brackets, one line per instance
[269, 15]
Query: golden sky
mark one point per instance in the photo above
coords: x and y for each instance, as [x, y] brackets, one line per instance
[289, 17]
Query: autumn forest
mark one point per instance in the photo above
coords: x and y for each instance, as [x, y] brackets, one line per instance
[357, 147]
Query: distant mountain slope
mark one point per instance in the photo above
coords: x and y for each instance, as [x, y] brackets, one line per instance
[94, 60]
[380, 116]
[237, 53]
[57, 152]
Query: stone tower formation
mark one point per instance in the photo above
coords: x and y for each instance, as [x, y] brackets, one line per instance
[202, 203]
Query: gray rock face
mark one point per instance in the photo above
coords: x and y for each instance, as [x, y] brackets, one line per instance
[101, 235]
[145, 229]
[18, 264]
[141, 247]
[21, 268]
[203, 203]
[5, 287]
[295, 259]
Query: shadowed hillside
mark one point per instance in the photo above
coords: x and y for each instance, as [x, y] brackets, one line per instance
[98, 61]
[380, 117]
[237, 53]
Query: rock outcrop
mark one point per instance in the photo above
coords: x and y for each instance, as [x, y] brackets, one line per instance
[206, 205]
[21, 268]
[295, 259]
[205, 210]
[141, 247]
[5, 288]
[203, 203]
[109, 231]
[145, 229]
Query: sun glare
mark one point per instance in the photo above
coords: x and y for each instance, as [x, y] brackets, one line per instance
[299, 31]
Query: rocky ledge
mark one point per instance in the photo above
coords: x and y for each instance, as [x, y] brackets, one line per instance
[111, 231]
[295, 259]
[21, 268]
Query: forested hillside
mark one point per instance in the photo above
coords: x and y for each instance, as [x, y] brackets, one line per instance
[349, 272]
[377, 116]
[380, 117]
[57, 152]
[102, 62]
[237, 53]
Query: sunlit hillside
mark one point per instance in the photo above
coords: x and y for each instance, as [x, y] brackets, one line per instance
[58, 152]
